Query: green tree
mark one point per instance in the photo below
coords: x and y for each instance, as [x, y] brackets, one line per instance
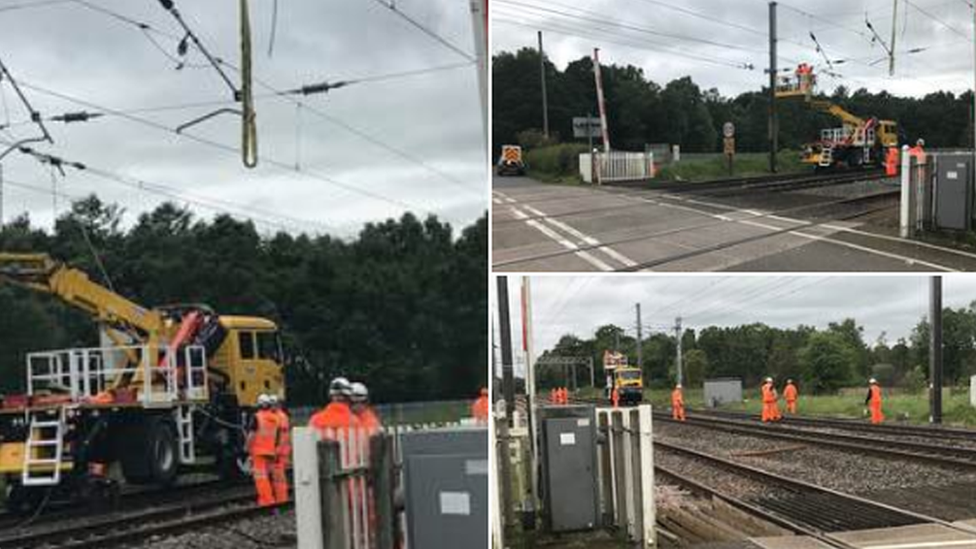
[827, 362]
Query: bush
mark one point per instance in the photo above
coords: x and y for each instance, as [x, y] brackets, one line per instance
[534, 139]
[555, 161]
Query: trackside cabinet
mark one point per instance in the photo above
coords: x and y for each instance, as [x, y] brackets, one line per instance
[569, 473]
[446, 480]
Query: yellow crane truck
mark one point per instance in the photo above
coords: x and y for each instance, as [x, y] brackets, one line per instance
[858, 142]
[627, 380]
[167, 388]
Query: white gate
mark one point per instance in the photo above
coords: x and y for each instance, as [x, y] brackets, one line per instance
[626, 465]
[616, 166]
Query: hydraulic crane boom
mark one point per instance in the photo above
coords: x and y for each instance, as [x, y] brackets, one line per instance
[838, 112]
[41, 273]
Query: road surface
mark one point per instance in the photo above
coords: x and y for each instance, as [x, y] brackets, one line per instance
[539, 227]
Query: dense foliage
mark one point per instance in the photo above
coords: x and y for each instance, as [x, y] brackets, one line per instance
[640, 111]
[403, 306]
[823, 360]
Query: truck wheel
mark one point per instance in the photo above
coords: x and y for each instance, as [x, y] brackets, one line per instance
[150, 454]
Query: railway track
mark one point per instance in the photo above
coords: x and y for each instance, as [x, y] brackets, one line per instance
[801, 507]
[117, 528]
[775, 182]
[854, 425]
[939, 454]
[61, 512]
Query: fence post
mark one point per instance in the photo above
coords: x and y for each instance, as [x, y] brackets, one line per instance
[646, 444]
[382, 482]
[334, 501]
[906, 193]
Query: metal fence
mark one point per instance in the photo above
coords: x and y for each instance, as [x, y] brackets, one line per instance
[616, 166]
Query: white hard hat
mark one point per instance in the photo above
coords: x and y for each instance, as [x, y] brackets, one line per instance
[273, 399]
[340, 386]
[678, 386]
[769, 380]
[359, 392]
[921, 142]
[873, 381]
[264, 400]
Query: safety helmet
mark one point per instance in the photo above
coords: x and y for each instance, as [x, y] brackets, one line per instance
[769, 380]
[359, 392]
[678, 386]
[273, 399]
[789, 381]
[264, 401]
[920, 142]
[873, 381]
[340, 386]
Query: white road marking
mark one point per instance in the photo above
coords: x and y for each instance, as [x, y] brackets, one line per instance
[582, 236]
[558, 238]
[906, 259]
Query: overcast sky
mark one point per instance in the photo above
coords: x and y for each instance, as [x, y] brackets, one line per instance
[890, 305]
[72, 49]
[739, 37]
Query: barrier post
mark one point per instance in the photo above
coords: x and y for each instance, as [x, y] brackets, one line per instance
[906, 193]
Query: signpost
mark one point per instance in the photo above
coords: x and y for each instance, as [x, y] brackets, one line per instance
[728, 130]
[586, 127]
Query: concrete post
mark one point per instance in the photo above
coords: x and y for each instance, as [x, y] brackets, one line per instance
[906, 193]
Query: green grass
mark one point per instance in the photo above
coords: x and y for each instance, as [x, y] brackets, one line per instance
[912, 408]
[560, 164]
[705, 167]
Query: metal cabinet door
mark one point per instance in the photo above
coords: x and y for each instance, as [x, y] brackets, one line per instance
[570, 451]
[953, 193]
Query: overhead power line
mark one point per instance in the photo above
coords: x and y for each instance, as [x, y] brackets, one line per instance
[391, 5]
[276, 92]
[229, 149]
[169, 191]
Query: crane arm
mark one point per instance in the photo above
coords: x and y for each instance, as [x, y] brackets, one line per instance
[41, 273]
[837, 112]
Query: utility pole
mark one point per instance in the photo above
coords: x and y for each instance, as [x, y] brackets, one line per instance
[974, 93]
[545, 99]
[935, 350]
[599, 99]
[1, 196]
[640, 339]
[527, 346]
[479, 18]
[773, 72]
[508, 388]
[678, 363]
[894, 36]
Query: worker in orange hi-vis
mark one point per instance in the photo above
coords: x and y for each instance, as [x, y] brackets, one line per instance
[336, 420]
[615, 398]
[790, 394]
[891, 161]
[481, 408]
[364, 412]
[678, 403]
[918, 151]
[770, 410]
[873, 401]
[262, 445]
[279, 475]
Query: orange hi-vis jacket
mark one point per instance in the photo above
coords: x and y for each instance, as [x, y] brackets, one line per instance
[284, 437]
[369, 421]
[768, 393]
[874, 396]
[790, 393]
[265, 439]
[336, 417]
[677, 398]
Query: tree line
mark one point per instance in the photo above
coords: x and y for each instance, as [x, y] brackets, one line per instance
[402, 306]
[822, 360]
[641, 111]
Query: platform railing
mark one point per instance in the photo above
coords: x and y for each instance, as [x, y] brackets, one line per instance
[86, 374]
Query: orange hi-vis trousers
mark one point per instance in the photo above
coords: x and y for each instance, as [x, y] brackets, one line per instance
[877, 416]
[261, 466]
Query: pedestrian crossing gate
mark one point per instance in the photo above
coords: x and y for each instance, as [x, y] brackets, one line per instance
[625, 459]
[344, 490]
